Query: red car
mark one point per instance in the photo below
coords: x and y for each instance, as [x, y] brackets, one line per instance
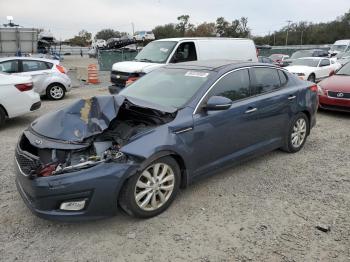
[334, 93]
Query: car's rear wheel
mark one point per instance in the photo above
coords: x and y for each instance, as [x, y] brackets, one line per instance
[2, 116]
[55, 91]
[312, 78]
[297, 133]
[151, 192]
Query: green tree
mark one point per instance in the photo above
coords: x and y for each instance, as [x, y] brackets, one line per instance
[165, 31]
[183, 26]
[82, 39]
[204, 29]
[107, 34]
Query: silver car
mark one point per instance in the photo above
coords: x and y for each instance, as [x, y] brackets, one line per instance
[49, 77]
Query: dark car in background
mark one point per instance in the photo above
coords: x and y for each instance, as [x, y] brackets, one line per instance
[264, 59]
[305, 53]
[335, 91]
[278, 58]
[173, 126]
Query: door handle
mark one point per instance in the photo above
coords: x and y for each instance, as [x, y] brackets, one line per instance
[291, 97]
[251, 110]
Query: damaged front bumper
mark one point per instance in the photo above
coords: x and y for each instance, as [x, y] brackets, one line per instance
[97, 186]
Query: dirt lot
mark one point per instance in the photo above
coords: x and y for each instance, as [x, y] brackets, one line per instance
[263, 210]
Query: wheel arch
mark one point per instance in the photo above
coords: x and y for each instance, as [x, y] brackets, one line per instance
[56, 83]
[3, 108]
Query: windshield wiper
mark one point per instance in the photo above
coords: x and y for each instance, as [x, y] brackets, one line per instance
[342, 74]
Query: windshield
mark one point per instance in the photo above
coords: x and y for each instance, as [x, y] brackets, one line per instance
[156, 52]
[343, 55]
[339, 48]
[167, 87]
[305, 62]
[345, 70]
[299, 54]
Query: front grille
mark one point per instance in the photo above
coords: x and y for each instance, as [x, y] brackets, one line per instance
[26, 156]
[336, 108]
[27, 163]
[340, 95]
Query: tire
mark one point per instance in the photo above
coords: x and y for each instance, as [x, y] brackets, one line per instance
[2, 116]
[312, 78]
[138, 193]
[297, 129]
[55, 91]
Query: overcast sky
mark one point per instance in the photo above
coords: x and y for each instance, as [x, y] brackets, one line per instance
[64, 18]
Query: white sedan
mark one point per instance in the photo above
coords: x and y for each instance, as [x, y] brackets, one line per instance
[49, 77]
[17, 96]
[313, 69]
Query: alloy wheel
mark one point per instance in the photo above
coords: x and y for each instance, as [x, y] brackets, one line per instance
[56, 92]
[154, 186]
[298, 133]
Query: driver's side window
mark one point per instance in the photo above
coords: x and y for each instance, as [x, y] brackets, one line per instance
[235, 86]
[184, 53]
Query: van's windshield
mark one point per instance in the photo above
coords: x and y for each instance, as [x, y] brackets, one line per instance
[339, 48]
[156, 52]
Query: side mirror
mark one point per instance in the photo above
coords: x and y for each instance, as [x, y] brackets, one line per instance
[217, 103]
[332, 73]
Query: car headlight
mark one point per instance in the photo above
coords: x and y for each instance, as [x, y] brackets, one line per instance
[321, 91]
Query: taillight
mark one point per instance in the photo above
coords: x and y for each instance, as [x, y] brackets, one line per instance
[314, 88]
[24, 87]
[131, 79]
[257, 52]
[61, 69]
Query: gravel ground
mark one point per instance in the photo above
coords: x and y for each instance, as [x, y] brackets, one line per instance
[266, 209]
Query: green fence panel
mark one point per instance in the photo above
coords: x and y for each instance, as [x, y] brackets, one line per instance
[106, 58]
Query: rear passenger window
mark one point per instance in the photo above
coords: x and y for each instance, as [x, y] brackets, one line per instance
[9, 66]
[266, 80]
[30, 65]
[234, 86]
[283, 78]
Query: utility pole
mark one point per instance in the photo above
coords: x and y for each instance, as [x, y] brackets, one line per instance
[133, 28]
[301, 37]
[288, 21]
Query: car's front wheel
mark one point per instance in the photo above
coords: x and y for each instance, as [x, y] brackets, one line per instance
[297, 133]
[151, 192]
[55, 92]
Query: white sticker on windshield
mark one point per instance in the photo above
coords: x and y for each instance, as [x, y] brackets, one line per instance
[196, 74]
[164, 50]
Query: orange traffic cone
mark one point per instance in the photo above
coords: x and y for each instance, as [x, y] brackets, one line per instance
[93, 74]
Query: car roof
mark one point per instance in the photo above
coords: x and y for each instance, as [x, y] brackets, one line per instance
[201, 38]
[313, 57]
[214, 65]
[2, 59]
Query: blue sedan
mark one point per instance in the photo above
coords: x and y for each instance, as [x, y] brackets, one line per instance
[135, 150]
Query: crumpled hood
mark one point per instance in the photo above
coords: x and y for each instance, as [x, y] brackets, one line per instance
[135, 67]
[80, 120]
[85, 117]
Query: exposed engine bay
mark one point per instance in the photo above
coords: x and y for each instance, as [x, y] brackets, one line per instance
[103, 146]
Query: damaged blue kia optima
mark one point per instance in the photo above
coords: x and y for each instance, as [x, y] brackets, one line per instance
[174, 125]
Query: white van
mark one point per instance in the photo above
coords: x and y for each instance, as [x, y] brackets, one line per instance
[340, 46]
[177, 50]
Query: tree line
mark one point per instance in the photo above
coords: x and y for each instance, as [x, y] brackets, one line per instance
[305, 33]
[297, 33]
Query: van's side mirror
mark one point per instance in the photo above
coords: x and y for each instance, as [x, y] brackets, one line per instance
[217, 103]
